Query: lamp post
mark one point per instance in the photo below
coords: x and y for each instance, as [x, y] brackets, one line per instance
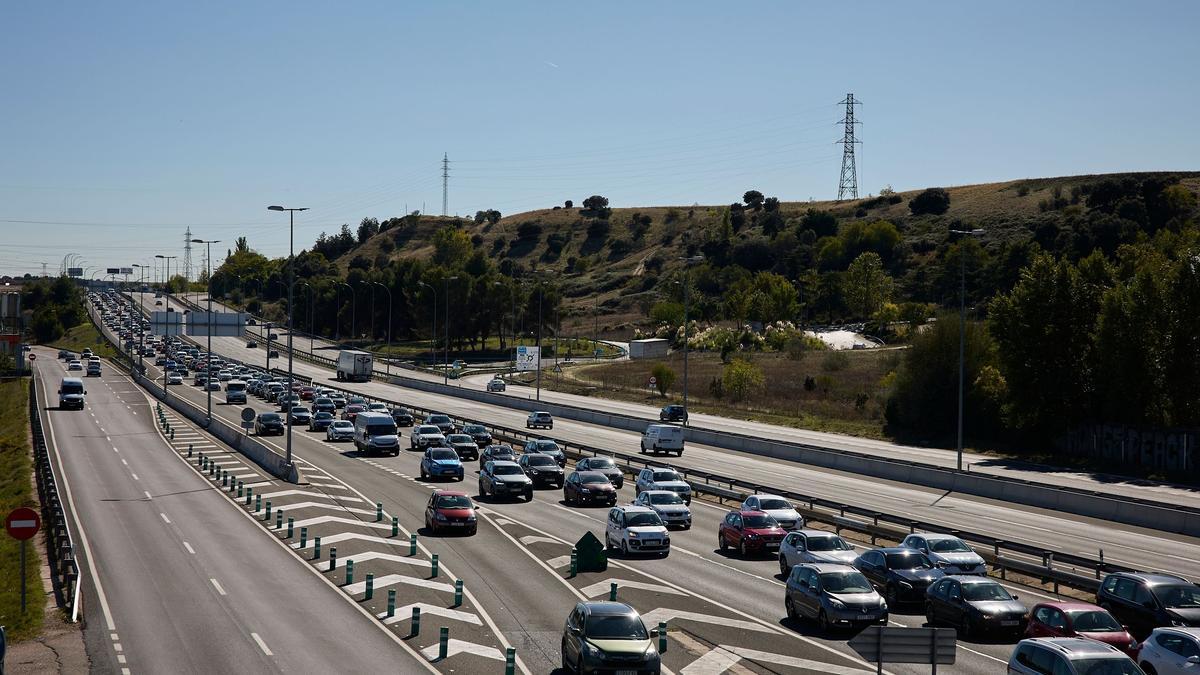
[687, 266]
[167, 309]
[141, 302]
[291, 291]
[387, 355]
[432, 323]
[962, 333]
[446, 362]
[209, 319]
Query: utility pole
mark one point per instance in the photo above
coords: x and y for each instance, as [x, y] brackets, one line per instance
[962, 332]
[187, 255]
[848, 185]
[445, 183]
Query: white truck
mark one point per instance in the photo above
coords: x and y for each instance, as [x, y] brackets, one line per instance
[235, 392]
[354, 366]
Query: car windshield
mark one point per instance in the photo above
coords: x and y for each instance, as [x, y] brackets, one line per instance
[908, 561]
[540, 460]
[299, 409]
[642, 519]
[343, 424]
[1094, 621]
[443, 454]
[601, 463]
[774, 504]
[948, 546]
[1108, 666]
[665, 475]
[428, 430]
[985, 592]
[759, 522]
[439, 419]
[506, 470]
[845, 582]
[474, 429]
[269, 417]
[593, 478]
[616, 628]
[545, 446]
[828, 544]
[1178, 596]
[324, 415]
[72, 388]
[666, 498]
[460, 438]
[377, 407]
[322, 401]
[453, 502]
[381, 430]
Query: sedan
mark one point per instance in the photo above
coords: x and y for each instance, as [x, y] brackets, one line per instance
[306, 393]
[663, 478]
[402, 417]
[174, 378]
[496, 384]
[450, 510]
[441, 463]
[669, 506]
[377, 407]
[833, 594]
[673, 413]
[778, 508]
[604, 465]
[539, 420]
[268, 423]
[497, 453]
[338, 399]
[75, 365]
[479, 434]
[813, 546]
[299, 414]
[212, 386]
[974, 605]
[749, 532]
[442, 422]
[589, 487]
[339, 430]
[320, 421]
[324, 404]
[504, 479]
[957, 557]
[1079, 619]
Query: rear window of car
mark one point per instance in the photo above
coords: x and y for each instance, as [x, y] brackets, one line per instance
[540, 460]
[443, 454]
[665, 475]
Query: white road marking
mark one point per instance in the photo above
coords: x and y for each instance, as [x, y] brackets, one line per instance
[189, 548]
[462, 647]
[285, 493]
[124, 462]
[165, 518]
[117, 647]
[405, 613]
[351, 536]
[121, 658]
[217, 584]
[533, 539]
[319, 520]
[262, 645]
[394, 579]
[601, 588]
[147, 493]
[135, 476]
[560, 561]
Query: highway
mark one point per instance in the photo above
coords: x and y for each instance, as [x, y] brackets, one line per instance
[529, 607]
[176, 579]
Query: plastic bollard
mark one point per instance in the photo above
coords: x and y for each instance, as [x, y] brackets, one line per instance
[510, 661]
[332, 558]
[257, 503]
[378, 511]
[267, 518]
[224, 478]
[370, 586]
[415, 629]
[349, 572]
[391, 611]
[172, 434]
[249, 494]
[189, 449]
[241, 488]
[612, 592]
[278, 519]
[291, 521]
[458, 592]
[395, 526]
[443, 642]
[662, 637]
[412, 544]
[574, 563]
[317, 548]
[433, 567]
[303, 537]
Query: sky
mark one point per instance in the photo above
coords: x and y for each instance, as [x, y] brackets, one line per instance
[124, 123]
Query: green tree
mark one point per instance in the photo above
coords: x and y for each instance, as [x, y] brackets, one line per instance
[670, 313]
[741, 378]
[774, 298]
[663, 376]
[369, 227]
[866, 285]
[451, 247]
[1182, 349]
[753, 199]
[739, 301]
[1130, 338]
[241, 245]
[45, 325]
[935, 201]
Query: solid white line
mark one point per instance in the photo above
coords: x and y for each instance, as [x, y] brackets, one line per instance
[134, 476]
[262, 645]
[189, 548]
[165, 518]
[217, 584]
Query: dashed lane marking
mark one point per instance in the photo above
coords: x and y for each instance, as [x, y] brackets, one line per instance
[165, 518]
[189, 548]
[217, 585]
[262, 645]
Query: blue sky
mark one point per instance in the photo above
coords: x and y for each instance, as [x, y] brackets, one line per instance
[125, 122]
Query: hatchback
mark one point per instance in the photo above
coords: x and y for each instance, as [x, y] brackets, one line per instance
[450, 510]
[976, 606]
[608, 637]
[1069, 656]
[1079, 619]
[589, 487]
[833, 594]
[1168, 651]
[441, 463]
[951, 552]
[749, 532]
[813, 546]
[604, 465]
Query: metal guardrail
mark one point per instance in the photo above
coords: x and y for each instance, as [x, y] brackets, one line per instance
[63, 566]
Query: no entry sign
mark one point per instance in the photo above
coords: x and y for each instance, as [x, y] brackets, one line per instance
[22, 523]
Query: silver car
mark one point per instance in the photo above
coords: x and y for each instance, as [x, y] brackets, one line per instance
[669, 506]
[664, 478]
[948, 552]
[777, 507]
[833, 595]
[340, 430]
[1070, 656]
[813, 546]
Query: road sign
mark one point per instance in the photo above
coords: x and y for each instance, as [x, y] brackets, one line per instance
[224, 324]
[528, 358]
[22, 523]
[591, 554]
[894, 644]
[74, 271]
[33, 357]
[247, 414]
[113, 270]
[653, 380]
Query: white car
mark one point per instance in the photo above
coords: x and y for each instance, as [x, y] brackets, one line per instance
[668, 505]
[663, 478]
[778, 508]
[174, 378]
[813, 546]
[539, 420]
[340, 430]
[949, 552]
[426, 436]
[75, 364]
[496, 384]
[636, 529]
[1171, 651]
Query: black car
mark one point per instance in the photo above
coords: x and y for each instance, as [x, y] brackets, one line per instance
[975, 605]
[589, 487]
[482, 436]
[1148, 601]
[504, 479]
[541, 469]
[464, 445]
[402, 417]
[324, 404]
[497, 453]
[273, 354]
[673, 413]
[442, 422]
[899, 574]
[320, 421]
[604, 465]
[268, 423]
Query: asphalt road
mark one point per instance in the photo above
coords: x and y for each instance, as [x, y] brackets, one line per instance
[176, 579]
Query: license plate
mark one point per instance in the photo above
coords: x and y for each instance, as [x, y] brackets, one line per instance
[651, 542]
[626, 672]
[1010, 623]
[457, 524]
[773, 544]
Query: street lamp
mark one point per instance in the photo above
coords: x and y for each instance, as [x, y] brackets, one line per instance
[166, 310]
[432, 323]
[141, 302]
[209, 319]
[687, 266]
[291, 288]
[446, 362]
[962, 332]
[387, 355]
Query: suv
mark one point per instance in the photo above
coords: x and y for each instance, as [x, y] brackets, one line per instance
[442, 422]
[663, 478]
[947, 551]
[833, 594]
[504, 479]
[1147, 601]
[539, 420]
[464, 445]
[749, 532]
[673, 413]
[268, 423]
[546, 447]
[426, 436]
[541, 469]
[608, 635]
[668, 506]
[636, 529]
[604, 465]
[479, 434]
[441, 463]
[1069, 656]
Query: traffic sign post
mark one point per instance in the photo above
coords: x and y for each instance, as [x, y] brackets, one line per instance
[21, 525]
[247, 419]
[33, 357]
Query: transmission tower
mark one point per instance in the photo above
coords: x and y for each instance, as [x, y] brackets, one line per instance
[848, 185]
[445, 183]
[187, 255]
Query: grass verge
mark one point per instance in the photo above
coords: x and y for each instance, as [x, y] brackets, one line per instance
[85, 335]
[16, 489]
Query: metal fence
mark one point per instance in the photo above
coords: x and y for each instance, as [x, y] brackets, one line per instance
[63, 566]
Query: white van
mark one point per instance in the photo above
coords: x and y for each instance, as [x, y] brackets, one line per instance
[71, 393]
[663, 438]
[376, 432]
[235, 391]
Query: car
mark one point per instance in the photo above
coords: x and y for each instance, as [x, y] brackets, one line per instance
[496, 384]
[1079, 619]
[158, 303]
[778, 508]
[500, 478]
[351, 411]
[749, 532]
[378, 407]
[306, 393]
[663, 478]
[172, 378]
[251, 344]
[450, 510]
[1148, 601]
[603, 636]
[65, 354]
[497, 453]
[213, 386]
[589, 487]
[442, 422]
[901, 574]
[93, 370]
[669, 507]
[539, 420]
[273, 354]
[75, 364]
[949, 549]
[547, 447]
[441, 463]
[268, 423]
[464, 445]
[287, 402]
[1068, 656]
[324, 404]
[225, 375]
[541, 469]
[633, 528]
[200, 379]
[813, 546]
[1168, 651]
[340, 430]
[402, 417]
[160, 361]
[604, 465]
[426, 435]
[479, 434]
[339, 399]
[299, 414]
[833, 594]
[319, 421]
[976, 606]
[673, 413]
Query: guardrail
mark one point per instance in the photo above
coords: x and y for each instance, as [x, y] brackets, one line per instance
[63, 566]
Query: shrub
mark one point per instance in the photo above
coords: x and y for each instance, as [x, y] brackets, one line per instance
[934, 201]
[663, 376]
[716, 388]
[620, 247]
[598, 229]
[809, 383]
[671, 216]
[1023, 191]
[529, 230]
[835, 361]
[568, 204]
[387, 245]
[741, 378]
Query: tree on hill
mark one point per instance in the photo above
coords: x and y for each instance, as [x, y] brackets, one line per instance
[753, 199]
[451, 247]
[491, 216]
[933, 201]
[368, 228]
[866, 285]
[595, 203]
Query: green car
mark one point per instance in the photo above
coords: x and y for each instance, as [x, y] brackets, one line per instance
[607, 637]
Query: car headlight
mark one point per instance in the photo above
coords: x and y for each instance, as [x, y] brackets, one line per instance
[592, 650]
[837, 604]
[439, 516]
[883, 605]
[1133, 644]
[471, 519]
[634, 535]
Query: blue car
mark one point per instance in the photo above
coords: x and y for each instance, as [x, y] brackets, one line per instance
[441, 463]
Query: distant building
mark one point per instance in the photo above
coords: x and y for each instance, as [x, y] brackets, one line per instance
[654, 348]
[10, 312]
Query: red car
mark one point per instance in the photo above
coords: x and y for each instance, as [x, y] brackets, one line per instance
[750, 532]
[351, 411]
[450, 510]
[1080, 619]
[307, 393]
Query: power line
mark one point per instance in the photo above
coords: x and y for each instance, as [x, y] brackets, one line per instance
[848, 184]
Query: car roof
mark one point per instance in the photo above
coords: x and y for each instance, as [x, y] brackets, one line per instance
[449, 493]
[816, 533]
[503, 462]
[971, 578]
[661, 492]
[1074, 646]
[661, 468]
[830, 567]
[606, 608]
[1153, 579]
[1190, 631]
[935, 536]
[768, 495]
[1068, 606]
[634, 508]
[72, 380]
[598, 474]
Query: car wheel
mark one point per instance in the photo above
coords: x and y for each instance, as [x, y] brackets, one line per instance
[482, 493]
[624, 549]
[679, 453]
[964, 630]
[790, 607]
[1149, 668]
[742, 548]
[721, 543]
[567, 498]
[929, 619]
[783, 566]
[423, 475]
[529, 495]
[889, 595]
[823, 622]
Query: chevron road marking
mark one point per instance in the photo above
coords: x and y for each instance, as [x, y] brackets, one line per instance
[320, 520]
[394, 579]
[459, 647]
[405, 613]
[533, 538]
[601, 587]
[354, 536]
[306, 493]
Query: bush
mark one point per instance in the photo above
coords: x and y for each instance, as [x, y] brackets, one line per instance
[529, 230]
[1023, 191]
[620, 247]
[599, 229]
[663, 376]
[671, 216]
[568, 204]
[835, 361]
[387, 245]
[809, 383]
[741, 378]
[716, 388]
[933, 201]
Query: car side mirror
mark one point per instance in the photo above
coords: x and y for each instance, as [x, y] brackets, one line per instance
[654, 633]
[1015, 596]
[803, 583]
[477, 508]
[575, 630]
[941, 565]
[60, 391]
[1193, 659]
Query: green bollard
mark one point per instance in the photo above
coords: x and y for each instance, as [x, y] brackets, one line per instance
[391, 603]
[332, 558]
[574, 563]
[303, 537]
[203, 463]
[290, 523]
[510, 661]
[172, 434]
[189, 449]
[257, 503]
[224, 478]
[268, 516]
[249, 494]
[317, 548]
[412, 544]
[395, 526]
[415, 629]
[433, 567]
[378, 511]
[212, 469]
[241, 485]
[612, 592]
[349, 572]
[443, 642]
[458, 589]
[370, 586]
[279, 519]
[662, 637]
